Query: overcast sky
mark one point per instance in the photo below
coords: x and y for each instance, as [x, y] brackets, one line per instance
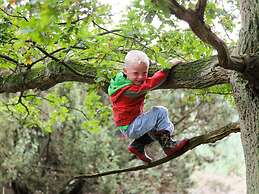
[118, 6]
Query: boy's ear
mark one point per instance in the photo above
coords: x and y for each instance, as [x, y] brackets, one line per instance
[125, 70]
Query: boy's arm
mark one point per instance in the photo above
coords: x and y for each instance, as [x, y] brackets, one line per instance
[151, 83]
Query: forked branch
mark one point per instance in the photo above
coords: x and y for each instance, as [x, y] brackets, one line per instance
[200, 8]
[195, 19]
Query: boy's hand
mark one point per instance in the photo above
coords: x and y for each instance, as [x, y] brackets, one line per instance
[153, 63]
[174, 62]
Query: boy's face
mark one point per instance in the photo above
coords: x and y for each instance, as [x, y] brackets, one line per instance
[137, 73]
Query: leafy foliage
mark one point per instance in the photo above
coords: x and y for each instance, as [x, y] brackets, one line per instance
[49, 136]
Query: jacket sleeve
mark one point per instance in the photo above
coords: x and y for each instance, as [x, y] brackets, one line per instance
[150, 83]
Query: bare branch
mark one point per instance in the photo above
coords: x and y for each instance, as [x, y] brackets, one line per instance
[210, 137]
[108, 31]
[20, 102]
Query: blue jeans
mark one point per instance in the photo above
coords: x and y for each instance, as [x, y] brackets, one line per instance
[155, 119]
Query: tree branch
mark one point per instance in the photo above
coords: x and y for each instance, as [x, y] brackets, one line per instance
[56, 59]
[42, 58]
[109, 32]
[200, 8]
[210, 137]
[62, 105]
[196, 22]
[197, 74]
[15, 16]
[117, 34]
[75, 21]
[9, 59]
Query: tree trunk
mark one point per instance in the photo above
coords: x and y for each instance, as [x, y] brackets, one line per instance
[248, 108]
[246, 101]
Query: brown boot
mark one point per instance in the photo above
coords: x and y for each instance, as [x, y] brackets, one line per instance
[169, 145]
[137, 147]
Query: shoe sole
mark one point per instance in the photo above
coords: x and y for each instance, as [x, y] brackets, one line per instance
[177, 147]
[139, 155]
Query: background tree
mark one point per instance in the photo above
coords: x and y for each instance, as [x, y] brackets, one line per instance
[49, 42]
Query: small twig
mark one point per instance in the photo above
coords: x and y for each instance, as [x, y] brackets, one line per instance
[109, 32]
[54, 52]
[15, 16]
[126, 37]
[20, 102]
[38, 60]
[9, 59]
[75, 21]
[26, 108]
[55, 59]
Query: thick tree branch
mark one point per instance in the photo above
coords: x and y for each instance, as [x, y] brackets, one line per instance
[194, 142]
[198, 74]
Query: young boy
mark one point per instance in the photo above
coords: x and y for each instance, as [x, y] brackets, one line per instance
[127, 93]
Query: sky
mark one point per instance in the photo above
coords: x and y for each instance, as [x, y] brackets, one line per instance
[118, 6]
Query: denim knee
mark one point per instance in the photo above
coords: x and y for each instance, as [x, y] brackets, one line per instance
[160, 110]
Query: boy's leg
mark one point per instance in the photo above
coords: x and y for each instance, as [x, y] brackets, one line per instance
[157, 123]
[137, 147]
[155, 119]
[169, 145]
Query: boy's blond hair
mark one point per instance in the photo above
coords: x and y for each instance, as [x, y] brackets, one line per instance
[136, 57]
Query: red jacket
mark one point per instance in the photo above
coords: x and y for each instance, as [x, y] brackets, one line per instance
[128, 99]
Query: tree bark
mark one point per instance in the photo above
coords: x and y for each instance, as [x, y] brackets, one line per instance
[246, 101]
[197, 74]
